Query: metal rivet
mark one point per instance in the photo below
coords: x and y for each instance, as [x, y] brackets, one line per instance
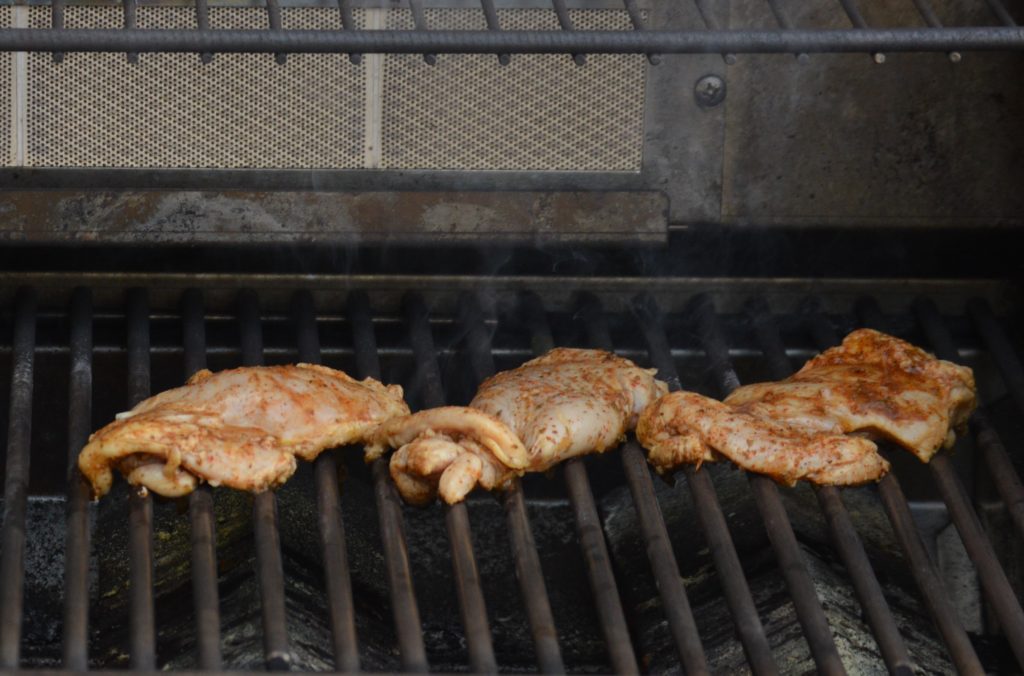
[709, 91]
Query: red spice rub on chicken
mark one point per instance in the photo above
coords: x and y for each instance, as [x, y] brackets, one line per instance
[818, 423]
[241, 428]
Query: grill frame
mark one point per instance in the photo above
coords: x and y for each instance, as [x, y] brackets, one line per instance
[466, 310]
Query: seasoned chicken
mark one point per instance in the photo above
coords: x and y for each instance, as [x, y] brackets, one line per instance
[565, 403]
[688, 428]
[569, 402]
[448, 450]
[241, 428]
[873, 384]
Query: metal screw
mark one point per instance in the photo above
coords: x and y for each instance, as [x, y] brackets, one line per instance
[709, 91]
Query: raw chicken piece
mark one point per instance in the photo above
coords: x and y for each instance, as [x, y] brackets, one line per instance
[873, 384]
[240, 428]
[569, 402]
[565, 403]
[449, 450]
[688, 428]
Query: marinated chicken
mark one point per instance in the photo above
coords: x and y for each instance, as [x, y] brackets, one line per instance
[566, 403]
[242, 428]
[873, 384]
[449, 450]
[818, 423]
[688, 428]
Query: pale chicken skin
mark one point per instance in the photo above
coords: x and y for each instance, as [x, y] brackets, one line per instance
[241, 428]
[873, 384]
[565, 403]
[688, 428]
[448, 450]
[569, 402]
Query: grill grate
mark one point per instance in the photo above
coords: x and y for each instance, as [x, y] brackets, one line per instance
[477, 342]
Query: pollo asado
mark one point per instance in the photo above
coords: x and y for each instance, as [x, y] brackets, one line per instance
[242, 428]
[819, 424]
[566, 403]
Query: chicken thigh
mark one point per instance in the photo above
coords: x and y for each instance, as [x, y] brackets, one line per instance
[688, 428]
[872, 384]
[241, 428]
[565, 403]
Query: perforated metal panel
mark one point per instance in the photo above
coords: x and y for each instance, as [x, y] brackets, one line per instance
[539, 112]
[7, 112]
[320, 111]
[240, 111]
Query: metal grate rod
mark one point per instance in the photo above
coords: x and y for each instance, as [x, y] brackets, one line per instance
[203, 23]
[129, 24]
[19, 453]
[801, 587]
[709, 511]
[857, 19]
[921, 567]
[57, 23]
[389, 509]
[274, 19]
[999, 346]
[999, 9]
[746, 41]
[636, 18]
[927, 12]
[887, 634]
[1000, 467]
[349, 24]
[420, 22]
[269, 568]
[467, 578]
[652, 523]
[707, 14]
[493, 24]
[205, 595]
[524, 550]
[588, 523]
[76, 561]
[565, 23]
[331, 524]
[785, 24]
[140, 514]
[993, 579]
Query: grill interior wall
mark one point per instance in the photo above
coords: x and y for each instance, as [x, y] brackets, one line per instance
[550, 515]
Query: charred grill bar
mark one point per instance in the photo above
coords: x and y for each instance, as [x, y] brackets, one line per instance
[330, 522]
[76, 557]
[269, 568]
[200, 505]
[19, 439]
[930, 585]
[701, 315]
[140, 515]
[891, 644]
[524, 550]
[396, 555]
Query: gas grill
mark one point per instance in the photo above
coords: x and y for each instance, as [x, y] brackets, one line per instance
[287, 580]
[430, 192]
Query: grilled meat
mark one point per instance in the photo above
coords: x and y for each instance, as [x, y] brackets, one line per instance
[241, 428]
[817, 424]
[565, 403]
[448, 450]
[688, 428]
[872, 384]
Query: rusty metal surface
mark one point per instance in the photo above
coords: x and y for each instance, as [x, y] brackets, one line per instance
[186, 217]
